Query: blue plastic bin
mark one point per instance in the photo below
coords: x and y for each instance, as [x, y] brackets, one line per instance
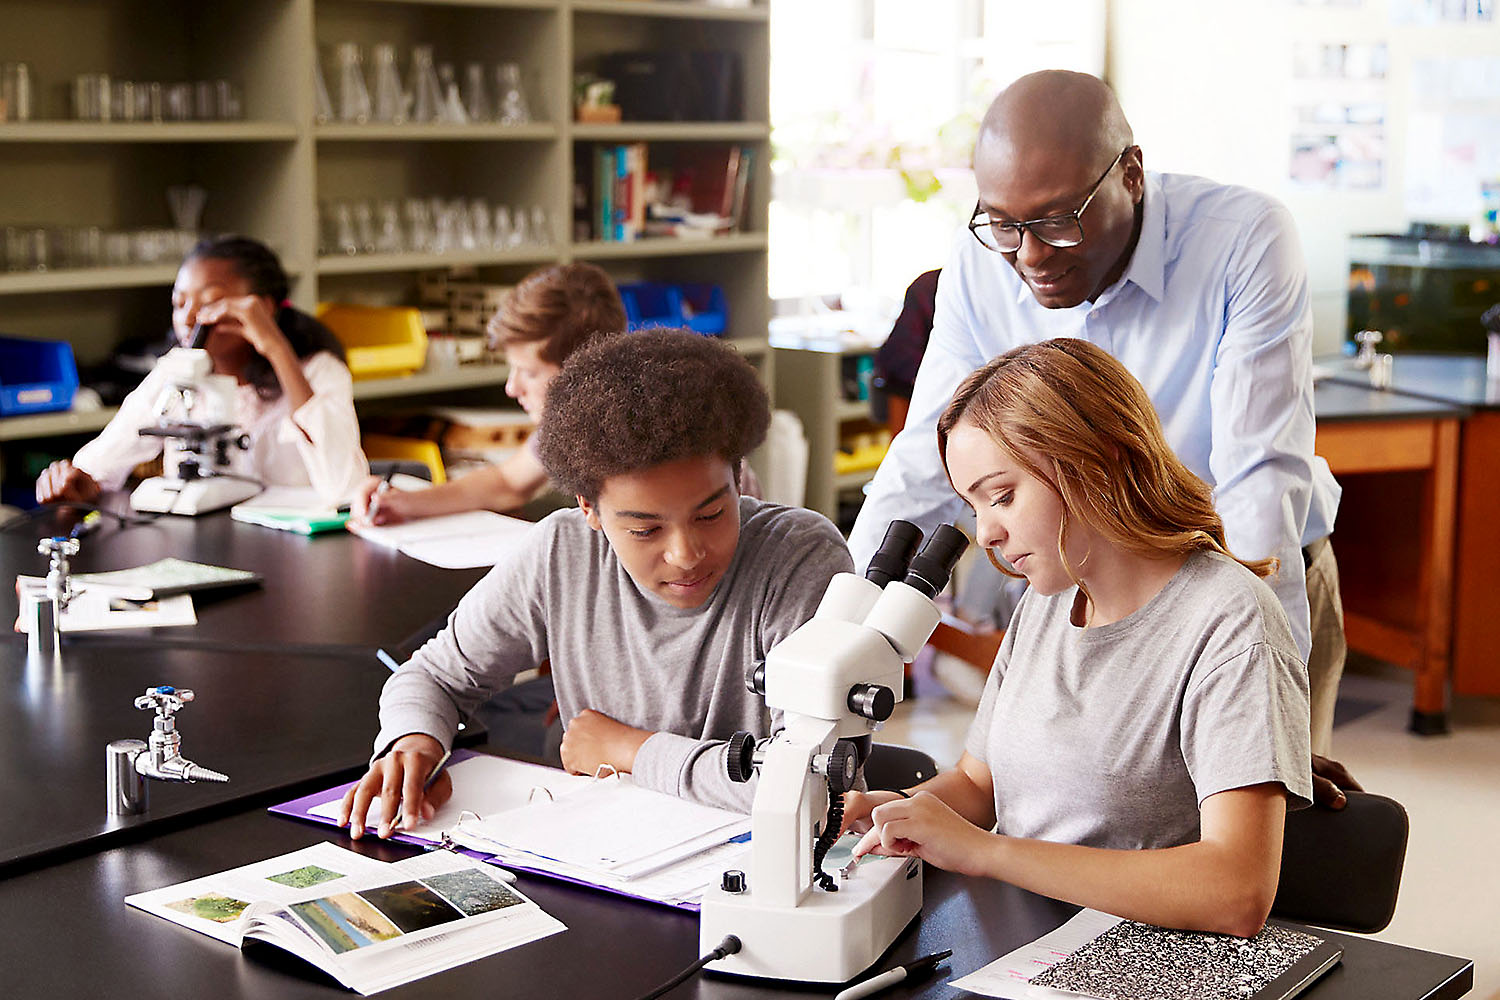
[698, 307]
[36, 376]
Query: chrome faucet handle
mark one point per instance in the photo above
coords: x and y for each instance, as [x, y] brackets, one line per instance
[1369, 342]
[58, 549]
[165, 699]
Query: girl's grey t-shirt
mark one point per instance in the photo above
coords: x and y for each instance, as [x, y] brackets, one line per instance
[1113, 736]
[615, 648]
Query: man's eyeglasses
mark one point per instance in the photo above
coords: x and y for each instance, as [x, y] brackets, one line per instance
[1061, 231]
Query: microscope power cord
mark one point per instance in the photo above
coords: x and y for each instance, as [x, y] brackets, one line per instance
[728, 946]
[827, 838]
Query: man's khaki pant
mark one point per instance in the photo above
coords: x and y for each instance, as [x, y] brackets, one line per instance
[1325, 664]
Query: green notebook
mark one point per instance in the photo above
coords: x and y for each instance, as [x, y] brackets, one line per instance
[301, 521]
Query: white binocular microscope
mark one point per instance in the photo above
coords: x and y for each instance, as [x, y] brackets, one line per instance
[835, 679]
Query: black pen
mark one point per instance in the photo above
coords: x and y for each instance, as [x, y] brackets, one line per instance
[901, 972]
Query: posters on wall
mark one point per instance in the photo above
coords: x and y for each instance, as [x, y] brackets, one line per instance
[1338, 133]
[1441, 11]
[1452, 136]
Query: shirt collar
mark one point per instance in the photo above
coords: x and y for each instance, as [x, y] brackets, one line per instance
[1148, 263]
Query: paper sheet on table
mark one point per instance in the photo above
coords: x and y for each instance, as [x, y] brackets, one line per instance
[481, 784]
[95, 609]
[613, 826]
[1010, 975]
[455, 541]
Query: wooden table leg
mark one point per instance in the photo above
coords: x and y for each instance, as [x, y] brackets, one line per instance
[1429, 714]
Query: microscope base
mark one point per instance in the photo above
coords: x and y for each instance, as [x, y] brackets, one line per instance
[161, 495]
[831, 938]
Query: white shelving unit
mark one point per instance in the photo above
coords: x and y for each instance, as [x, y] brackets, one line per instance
[809, 383]
[266, 176]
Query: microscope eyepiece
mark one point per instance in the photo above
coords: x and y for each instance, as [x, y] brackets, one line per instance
[931, 568]
[895, 553]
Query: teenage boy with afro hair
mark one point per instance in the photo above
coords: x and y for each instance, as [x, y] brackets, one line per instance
[651, 599]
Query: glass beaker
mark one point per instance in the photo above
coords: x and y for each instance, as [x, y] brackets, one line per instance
[354, 97]
[15, 92]
[512, 100]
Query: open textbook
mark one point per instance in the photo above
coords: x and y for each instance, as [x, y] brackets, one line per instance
[369, 924]
[1095, 955]
[601, 832]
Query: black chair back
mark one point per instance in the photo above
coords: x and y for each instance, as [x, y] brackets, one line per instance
[1342, 869]
[891, 766]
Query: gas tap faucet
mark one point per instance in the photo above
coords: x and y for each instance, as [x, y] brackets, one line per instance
[131, 762]
[43, 612]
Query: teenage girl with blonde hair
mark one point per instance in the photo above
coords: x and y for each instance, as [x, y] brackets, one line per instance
[1144, 729]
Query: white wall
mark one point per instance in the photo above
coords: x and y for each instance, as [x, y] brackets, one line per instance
[1207, 85]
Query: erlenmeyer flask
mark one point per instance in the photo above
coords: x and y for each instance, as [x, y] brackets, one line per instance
[479, 222]
[512, 98]
[322, 104]
[520, 234]
[390, 102]
[427, 98]
[453, 112]
[476, 94]
[344, 229]
[390, 238]
[502, 232]
[354, 97]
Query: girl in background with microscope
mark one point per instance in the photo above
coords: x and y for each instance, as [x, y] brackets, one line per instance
[1144, 728]
[294, 398]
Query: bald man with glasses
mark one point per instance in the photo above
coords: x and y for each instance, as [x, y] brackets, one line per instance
[1199, 288]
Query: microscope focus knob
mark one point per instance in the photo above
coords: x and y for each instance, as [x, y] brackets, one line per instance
[843, 766]
[740, 761]
[755, 680]
[873, 701]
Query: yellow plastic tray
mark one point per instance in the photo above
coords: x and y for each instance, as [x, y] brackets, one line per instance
[381, 341]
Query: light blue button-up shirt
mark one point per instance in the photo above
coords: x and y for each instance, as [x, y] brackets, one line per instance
[1211, 315]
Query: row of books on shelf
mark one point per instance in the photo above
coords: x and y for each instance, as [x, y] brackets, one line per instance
[687, 192]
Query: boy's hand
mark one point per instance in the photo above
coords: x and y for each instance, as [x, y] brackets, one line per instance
[593, 738]
[398, 780]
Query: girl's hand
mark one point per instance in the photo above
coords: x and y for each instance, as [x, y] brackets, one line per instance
[923, 826]
[858, 806]
[62, 480]
[250, 316]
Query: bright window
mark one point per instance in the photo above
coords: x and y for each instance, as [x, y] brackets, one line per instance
[874, 106]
